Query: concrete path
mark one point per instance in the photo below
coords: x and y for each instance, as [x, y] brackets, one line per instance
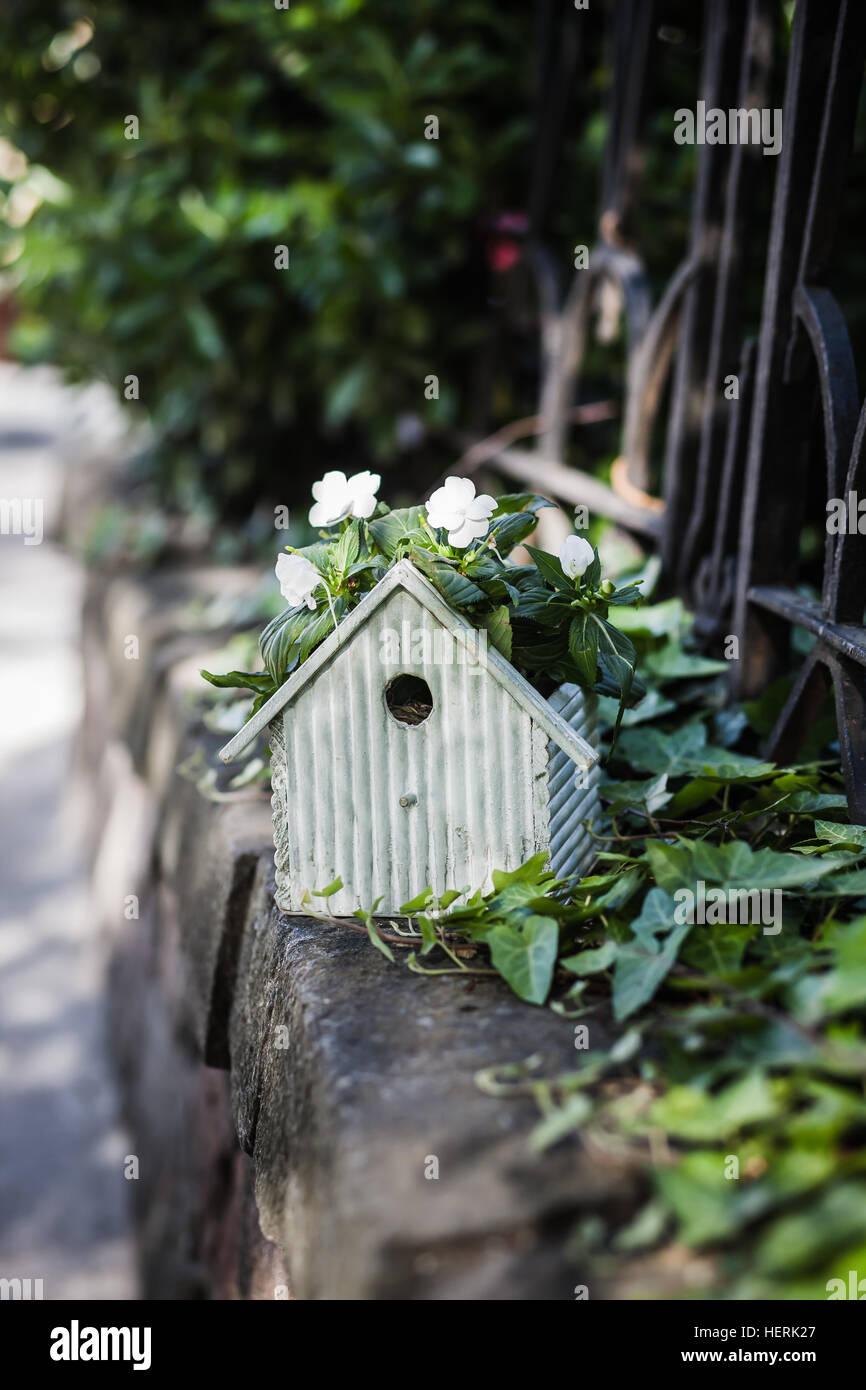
[63, 1197]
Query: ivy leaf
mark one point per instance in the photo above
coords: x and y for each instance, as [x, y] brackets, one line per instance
[687, 753]
[718, 950]
[329, 891]
[669, 618]
[428, 935]
[834, 1221]
[837, 832]
[525, 956]
[420, 903]
[653, 704]
[656, 916]
[650, 795]
[689, 1113]
[735, 864]
[531, 871]
[591, 962]
[706, 1204]
[671, 663]
[640, 970]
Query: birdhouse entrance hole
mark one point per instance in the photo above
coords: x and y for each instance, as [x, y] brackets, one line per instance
[409, 699]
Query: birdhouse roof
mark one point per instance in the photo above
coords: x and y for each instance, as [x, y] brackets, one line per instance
[405, 575]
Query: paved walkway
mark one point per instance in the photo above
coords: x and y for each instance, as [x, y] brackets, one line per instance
[63, 1197]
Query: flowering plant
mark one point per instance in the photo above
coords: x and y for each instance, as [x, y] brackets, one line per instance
[548, 618]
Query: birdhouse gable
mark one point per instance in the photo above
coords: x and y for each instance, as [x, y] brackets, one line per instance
[463, 641]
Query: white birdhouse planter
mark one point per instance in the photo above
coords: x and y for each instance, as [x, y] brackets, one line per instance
[405, 754]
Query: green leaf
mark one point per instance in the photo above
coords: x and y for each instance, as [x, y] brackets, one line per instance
[531, 871]
[330, 890]
[345, 552]
[428, 935]
[591, 577]
[260, 681]
[508, 531]
[318, 554]
[280, 640]
[708, 1206]
[621, 597]
[618, 657]
[551, 570]
[498, 627]
[656, 916]
[396, 529]
[687, 752]
[837, 1218]
[417, 904]
[735, 865]
[653, 704]
[448, 897]
[520, 502]
[650, 795]
[671, 663]
[318, 626]
[837, 832]
[583, 648]
[839, 885]
[591, 962]
[717, 950]
[525, 957]
[452, 585]
[656, 619]
[640, 970]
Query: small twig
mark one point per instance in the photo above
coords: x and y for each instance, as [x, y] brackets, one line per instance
[351, 925]
[487, 448]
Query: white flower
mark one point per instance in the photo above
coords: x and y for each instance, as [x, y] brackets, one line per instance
[575, 556]
[455, 507]
[338, 497]
[297, 578]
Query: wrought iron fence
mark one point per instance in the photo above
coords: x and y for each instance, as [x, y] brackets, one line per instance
[739, 467]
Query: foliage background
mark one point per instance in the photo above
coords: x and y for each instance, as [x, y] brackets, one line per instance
[303, 127]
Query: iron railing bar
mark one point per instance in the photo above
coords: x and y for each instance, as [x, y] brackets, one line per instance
[779, 424]
[726, 331]
[849, 639]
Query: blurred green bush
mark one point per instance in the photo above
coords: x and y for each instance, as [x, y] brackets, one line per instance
[261, 127]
